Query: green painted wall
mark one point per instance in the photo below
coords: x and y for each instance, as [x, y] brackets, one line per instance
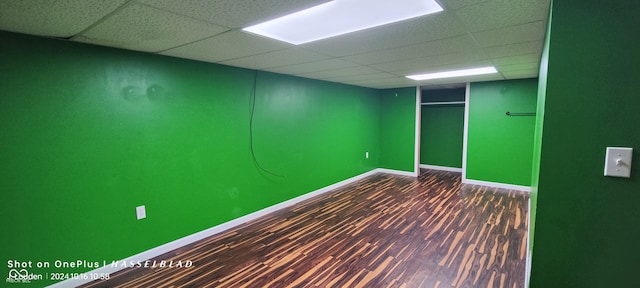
[499, 147]
[587, 225]
[89, 133]
[397, 128]
[537, 143]
[442, 128]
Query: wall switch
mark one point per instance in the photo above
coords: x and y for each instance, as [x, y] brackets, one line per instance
[141, 212]
[617, 163]
[366, 155]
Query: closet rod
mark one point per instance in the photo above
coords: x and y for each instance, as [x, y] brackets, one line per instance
[521, 114]
[443, 103]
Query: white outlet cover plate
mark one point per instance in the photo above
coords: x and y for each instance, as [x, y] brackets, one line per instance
[141, 212]
[611, 166]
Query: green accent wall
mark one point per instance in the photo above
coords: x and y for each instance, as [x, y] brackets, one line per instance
[397, 128]
[537, 143]
[89, 133]
[499, 147]
[442, 128]
[587, 225]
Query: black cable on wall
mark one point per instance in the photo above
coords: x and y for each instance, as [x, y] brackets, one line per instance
[253, 109]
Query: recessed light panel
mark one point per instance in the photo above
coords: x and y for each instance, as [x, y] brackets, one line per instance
[455, 73]
[340, 17]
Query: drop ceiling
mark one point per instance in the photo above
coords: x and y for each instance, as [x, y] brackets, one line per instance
[507, 34]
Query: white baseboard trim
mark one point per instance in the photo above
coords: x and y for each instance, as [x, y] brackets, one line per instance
[497, 185]
[441, 168]
[396, 172]
[168, 247]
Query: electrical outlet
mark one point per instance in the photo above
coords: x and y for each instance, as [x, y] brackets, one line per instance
[141, 212]
[366, 155]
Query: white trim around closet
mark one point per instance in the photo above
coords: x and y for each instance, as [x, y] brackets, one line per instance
[465, 135]
[416, 153]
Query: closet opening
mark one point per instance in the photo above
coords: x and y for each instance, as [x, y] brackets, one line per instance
[442, 127]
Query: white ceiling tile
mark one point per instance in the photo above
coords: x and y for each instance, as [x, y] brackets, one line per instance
[524, 73]
[290, 56]
[423, 65]
[63, 18]
[511, 60]
[469, 33]
[516, 64]
[422, 29]
[482, 78]
[457, 4]
[364, 77]
[532, 66]
[354, 78]
[339, 73]
[502, 13]
[511, 35]
[323, 65]
[145, 28]
[225, 46]
[432, 48]
[531, 47]
[387, 83]
[234, 13]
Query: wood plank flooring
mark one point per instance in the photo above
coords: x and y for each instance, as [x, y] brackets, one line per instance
[383, 231]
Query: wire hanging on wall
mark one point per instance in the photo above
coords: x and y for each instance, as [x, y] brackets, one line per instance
[253, 109]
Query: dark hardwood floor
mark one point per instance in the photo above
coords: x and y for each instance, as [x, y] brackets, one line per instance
[383, 231]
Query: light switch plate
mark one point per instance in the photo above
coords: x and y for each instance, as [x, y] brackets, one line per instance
[141, 212]
[617, 163]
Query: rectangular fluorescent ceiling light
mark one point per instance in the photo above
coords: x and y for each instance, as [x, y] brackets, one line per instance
[455, 73]
[341, 17]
